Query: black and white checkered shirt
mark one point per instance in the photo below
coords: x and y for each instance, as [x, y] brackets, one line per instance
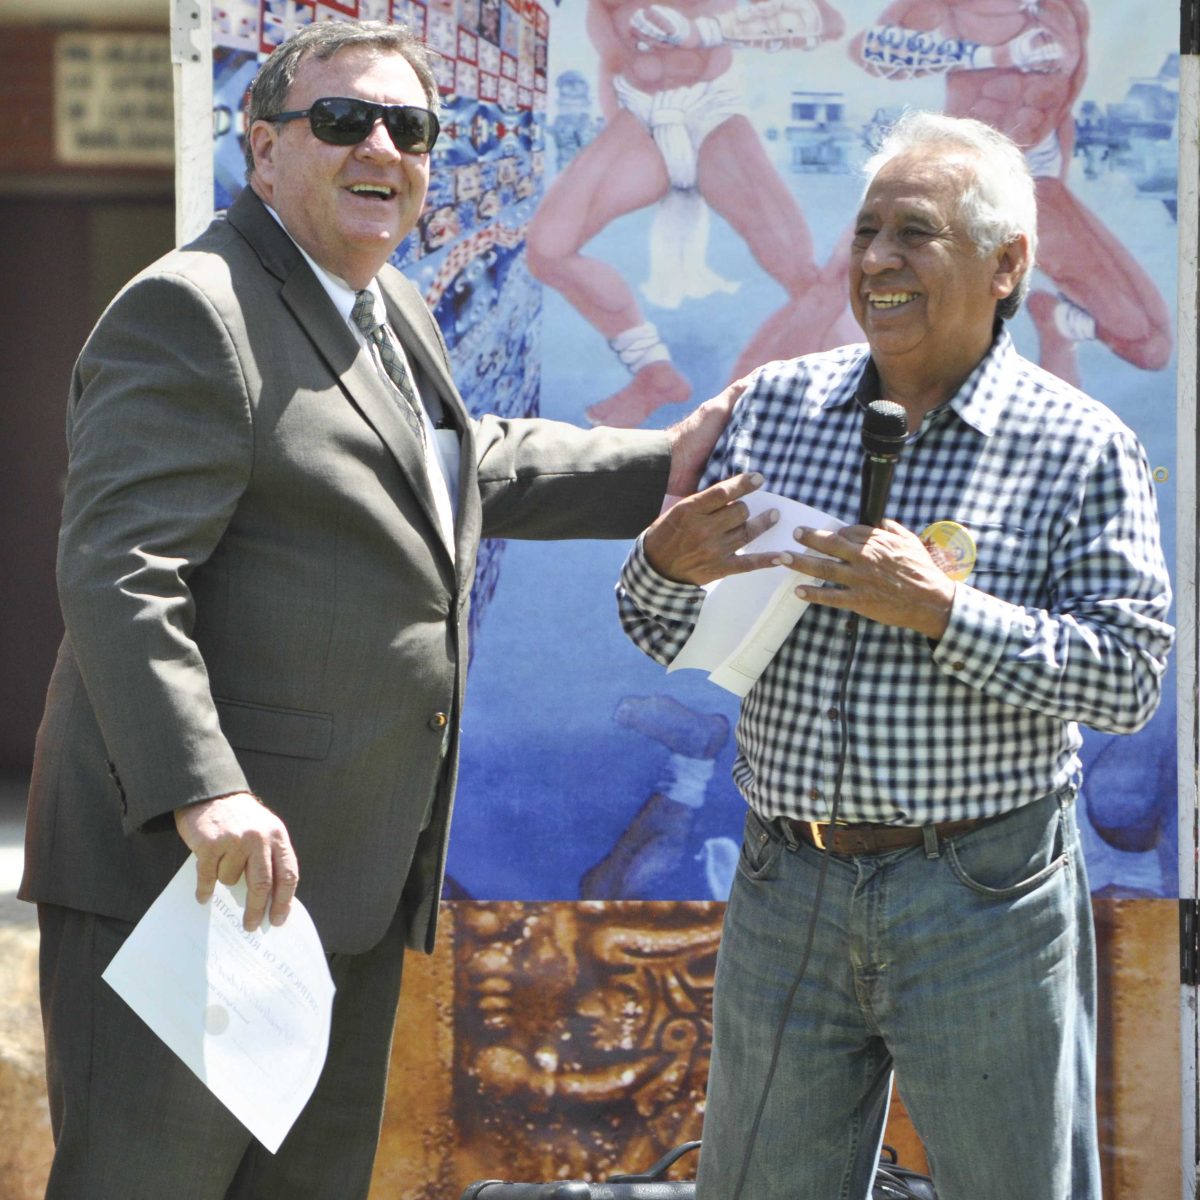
[1062, 621]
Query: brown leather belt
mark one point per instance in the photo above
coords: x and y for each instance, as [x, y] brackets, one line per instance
[873, 839]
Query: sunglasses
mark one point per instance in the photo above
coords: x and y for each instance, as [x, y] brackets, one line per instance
[343, 121]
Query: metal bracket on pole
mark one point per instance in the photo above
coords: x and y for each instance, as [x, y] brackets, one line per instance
[1189, 27]
[186, 29]
[1189, 942]
[191, 58]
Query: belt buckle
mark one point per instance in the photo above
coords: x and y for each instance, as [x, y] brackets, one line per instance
[814, 832]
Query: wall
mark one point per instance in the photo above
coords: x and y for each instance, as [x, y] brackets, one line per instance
[73, 236]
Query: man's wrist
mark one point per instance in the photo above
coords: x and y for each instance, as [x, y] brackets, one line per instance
[223, 796]
[936, 619]
[648, 587]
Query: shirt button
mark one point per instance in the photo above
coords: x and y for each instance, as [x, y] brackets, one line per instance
[438, 720]
[814, 793]
[957, 666]
[831, 712]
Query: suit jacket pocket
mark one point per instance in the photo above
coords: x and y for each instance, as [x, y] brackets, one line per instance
[286, 731]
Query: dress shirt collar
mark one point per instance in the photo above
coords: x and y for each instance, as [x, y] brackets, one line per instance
[337, 289]
[978, 402]
[981, 399]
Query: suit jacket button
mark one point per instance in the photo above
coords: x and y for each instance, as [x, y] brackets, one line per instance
[438, 720]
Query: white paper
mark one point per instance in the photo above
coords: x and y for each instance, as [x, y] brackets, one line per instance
[746, 618]
[247, 1012]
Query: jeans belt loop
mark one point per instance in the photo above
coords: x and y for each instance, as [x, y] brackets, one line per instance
[789, 834]
[929, 833]
[1066, 796]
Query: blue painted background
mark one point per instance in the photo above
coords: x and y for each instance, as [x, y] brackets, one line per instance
[550, 779]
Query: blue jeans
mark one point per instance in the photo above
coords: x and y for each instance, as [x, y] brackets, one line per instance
[971, 974]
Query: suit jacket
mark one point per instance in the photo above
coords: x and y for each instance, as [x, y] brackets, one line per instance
[255, 591]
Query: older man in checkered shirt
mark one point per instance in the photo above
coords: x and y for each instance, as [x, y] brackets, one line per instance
[942, 925]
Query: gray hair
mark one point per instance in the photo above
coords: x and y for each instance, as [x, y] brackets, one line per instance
[998, 205]
[323, 39]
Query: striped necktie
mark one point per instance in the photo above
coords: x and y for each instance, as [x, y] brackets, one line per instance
[378, 334]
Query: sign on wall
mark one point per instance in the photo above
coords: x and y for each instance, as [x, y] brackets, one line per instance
[113, 100]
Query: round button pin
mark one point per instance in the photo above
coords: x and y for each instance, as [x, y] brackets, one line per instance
[952, 547]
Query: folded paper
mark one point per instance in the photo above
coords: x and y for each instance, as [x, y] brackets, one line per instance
[247, 1012]
[746, 617]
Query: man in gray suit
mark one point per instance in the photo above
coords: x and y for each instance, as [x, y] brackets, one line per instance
[267, 547]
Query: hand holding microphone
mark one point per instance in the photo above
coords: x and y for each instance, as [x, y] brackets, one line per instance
[879, 569]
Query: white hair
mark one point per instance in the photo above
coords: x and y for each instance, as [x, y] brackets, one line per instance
[998, 205]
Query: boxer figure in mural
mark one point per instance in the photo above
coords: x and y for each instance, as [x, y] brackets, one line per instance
[1019, 65]
[676, 135]
[646, 859]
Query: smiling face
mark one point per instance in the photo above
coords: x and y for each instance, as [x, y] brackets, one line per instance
[347, 206]
[923, 294]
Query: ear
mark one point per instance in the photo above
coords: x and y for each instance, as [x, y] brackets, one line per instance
[1012, 262]
[264, 136]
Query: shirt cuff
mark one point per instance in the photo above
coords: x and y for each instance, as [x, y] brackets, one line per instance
[655, 594]
[978, 631]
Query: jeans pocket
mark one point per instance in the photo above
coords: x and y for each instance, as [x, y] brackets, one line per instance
[1015, 855]
[761, 848]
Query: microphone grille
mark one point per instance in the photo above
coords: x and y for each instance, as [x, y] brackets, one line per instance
[885, 427]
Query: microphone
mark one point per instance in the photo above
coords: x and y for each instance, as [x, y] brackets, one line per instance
[884, 432]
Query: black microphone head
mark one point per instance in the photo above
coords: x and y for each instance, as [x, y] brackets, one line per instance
[884, 428]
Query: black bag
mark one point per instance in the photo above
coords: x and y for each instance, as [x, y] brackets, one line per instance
[647, 1186]
[892, 1182]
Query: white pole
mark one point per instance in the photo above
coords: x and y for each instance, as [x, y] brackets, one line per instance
[191, 56]
[1185, 498]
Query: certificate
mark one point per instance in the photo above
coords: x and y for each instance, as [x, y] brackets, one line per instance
[248, 1012]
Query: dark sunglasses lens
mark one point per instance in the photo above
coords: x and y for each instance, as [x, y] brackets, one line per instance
[412, 129]
[342, 122]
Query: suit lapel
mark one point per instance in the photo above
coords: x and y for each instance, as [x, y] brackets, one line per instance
[413, 323]
[411, 319]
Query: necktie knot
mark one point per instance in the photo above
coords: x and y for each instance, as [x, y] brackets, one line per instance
[363, 313]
